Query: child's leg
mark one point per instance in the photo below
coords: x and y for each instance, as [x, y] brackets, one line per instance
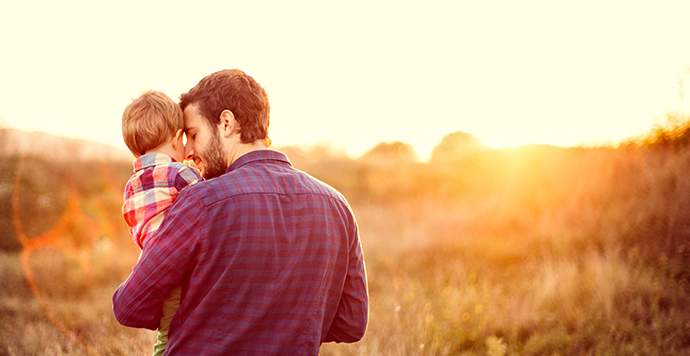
[170, 306]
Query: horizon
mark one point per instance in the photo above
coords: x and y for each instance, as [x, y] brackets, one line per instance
[308, 148]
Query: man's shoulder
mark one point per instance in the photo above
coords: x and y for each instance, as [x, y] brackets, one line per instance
[262, 179]
[318, 186]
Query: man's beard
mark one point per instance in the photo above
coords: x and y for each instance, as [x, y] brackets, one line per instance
[213, 158]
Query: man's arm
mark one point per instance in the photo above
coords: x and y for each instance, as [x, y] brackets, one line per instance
[164, 260]
[351, 319]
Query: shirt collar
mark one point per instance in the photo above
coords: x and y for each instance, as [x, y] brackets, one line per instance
[150, 160]
[258, 155]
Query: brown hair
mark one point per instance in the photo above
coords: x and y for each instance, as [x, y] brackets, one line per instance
[149, 121]
[234, 90]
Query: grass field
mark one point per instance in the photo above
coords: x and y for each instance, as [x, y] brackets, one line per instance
[528, 251]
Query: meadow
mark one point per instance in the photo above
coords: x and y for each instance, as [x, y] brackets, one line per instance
[536, 250]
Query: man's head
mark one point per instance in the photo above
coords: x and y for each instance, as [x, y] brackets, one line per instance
[224, 112]
[150, 121]
[233, 90]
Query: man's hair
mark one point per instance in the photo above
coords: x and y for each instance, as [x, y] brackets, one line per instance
[149, 121]
[234, 90]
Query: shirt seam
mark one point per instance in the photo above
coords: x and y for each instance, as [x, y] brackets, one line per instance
[328, 196]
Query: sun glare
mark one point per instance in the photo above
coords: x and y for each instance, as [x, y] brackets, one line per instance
[564, 137]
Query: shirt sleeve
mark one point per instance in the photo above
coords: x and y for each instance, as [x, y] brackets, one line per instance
[351, 319]
[186, 176]
[138, 301]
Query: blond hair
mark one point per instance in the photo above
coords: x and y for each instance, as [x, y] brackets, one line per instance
[149, 121]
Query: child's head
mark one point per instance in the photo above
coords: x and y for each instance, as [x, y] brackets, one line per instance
[151, 120]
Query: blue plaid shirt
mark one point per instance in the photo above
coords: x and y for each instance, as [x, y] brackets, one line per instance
[269, 260]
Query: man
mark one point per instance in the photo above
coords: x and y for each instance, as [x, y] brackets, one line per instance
[268, 257]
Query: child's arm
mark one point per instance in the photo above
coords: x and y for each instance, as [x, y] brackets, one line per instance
[139, 300]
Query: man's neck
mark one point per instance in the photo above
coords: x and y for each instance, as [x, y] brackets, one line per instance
[244, 148]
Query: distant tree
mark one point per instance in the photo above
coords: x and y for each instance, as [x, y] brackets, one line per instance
[303, 155]
[394, 152]
[456, 145]
[672, 131]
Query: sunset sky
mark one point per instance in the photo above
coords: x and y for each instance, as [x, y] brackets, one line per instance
[356, 73]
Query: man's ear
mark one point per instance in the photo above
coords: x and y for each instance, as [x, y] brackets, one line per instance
[176, 138]
[228, 124]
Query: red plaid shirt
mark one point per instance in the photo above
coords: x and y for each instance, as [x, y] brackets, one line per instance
[156, 183]
[269, 260]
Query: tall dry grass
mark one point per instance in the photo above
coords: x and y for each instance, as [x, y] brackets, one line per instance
[530, 251]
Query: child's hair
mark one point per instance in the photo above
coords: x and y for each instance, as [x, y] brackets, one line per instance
[149, 121]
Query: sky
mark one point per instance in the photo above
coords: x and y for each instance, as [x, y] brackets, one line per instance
[356, 73]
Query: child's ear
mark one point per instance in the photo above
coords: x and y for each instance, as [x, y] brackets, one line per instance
[177, 138]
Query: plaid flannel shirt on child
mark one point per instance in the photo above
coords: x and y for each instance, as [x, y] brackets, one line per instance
[156, 183]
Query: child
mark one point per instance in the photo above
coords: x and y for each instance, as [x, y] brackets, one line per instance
[152, 127]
